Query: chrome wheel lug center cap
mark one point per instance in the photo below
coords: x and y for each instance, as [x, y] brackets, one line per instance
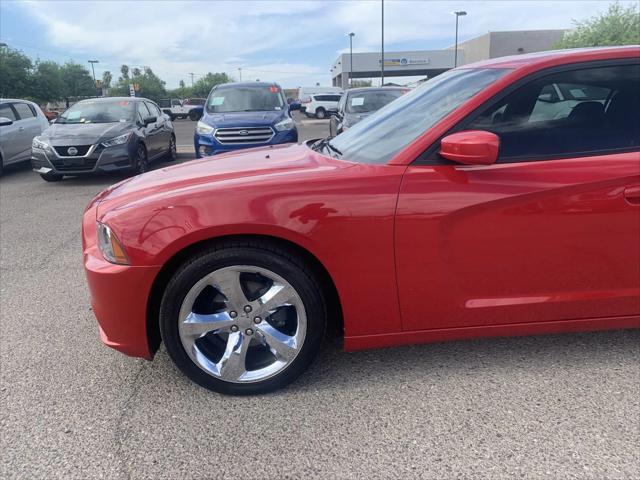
[248, 331]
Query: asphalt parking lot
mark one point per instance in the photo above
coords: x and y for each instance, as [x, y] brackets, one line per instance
[559, 407]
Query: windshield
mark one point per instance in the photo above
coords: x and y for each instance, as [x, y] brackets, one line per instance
[379, 137]
[365, 102]
[89, 111]
[245, 99]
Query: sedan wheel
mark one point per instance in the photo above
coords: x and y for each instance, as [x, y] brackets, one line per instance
[172, 154]
[242, 320]
[142, 161]
[320, 113]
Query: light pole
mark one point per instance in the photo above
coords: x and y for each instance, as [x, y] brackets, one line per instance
[95, 85]
[351, 35]
[382, 57]
[459, 14]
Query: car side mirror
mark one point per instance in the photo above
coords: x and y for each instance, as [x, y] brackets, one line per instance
[52, 121]
[471, 147]
[149, 120]
[5, 122]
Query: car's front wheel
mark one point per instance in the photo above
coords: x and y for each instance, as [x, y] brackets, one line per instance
[243, 319]
[141, 160]
[172, 153]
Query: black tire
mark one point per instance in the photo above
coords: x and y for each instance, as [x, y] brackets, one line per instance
[260, 255]
[194, 115]
[321, 113]
[51, 177]
[141, 161]
[172, 154]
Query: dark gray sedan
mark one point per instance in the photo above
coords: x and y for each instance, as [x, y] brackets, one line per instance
[104, 135]
[359, 103]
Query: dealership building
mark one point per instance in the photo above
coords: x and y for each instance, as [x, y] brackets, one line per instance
[428, 63]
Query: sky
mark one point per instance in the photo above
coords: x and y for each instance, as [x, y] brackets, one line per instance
[291, 42]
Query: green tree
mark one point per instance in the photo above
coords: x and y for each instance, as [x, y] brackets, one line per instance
[360, 83]
[14, 73]
[124, 71]
[107, 78]
[135, 72]
[619, 25]
[77, 81]
[46, 82]
[204, 85]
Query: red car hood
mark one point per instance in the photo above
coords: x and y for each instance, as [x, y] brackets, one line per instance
[250, 165]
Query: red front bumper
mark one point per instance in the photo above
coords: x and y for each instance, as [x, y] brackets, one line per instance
[119, 295]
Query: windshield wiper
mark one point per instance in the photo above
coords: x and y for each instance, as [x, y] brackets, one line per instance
[332, 147]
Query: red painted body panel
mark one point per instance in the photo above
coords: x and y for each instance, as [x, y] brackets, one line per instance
[518, 242]
[417, 253]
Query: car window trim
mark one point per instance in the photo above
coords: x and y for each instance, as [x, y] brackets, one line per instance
[16, 117]
[17, 114]
[430, 155]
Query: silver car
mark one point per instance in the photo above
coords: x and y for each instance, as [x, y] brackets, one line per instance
[20, 121]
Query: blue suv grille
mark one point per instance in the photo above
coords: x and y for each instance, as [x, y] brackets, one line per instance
[243, 135]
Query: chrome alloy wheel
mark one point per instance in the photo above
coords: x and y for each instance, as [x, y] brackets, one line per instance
[242, 324]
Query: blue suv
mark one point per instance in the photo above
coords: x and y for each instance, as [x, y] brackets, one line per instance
[243, 115]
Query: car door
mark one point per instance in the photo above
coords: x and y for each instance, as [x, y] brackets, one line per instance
[11, 136]
[164, 128]
[550, 232]
[30, 125]
[150, 130]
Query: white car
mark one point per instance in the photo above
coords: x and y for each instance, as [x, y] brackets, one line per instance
[189, 108]
[20, 121]
[320, 105]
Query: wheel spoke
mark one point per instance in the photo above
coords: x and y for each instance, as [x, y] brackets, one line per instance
[196, 325]
[232, 364]
[275, 297]
[283, 346]
[228, 283]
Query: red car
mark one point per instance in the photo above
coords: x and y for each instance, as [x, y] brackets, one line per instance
[500, 198]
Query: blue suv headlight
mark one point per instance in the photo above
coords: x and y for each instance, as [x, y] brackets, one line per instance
[286, 124]
[204, 129]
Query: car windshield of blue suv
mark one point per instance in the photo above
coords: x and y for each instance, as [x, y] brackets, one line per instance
[245, 99]
[101, 111]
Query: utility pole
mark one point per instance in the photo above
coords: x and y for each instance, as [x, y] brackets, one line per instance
[240, 72]
[95, 86]
[382, 59]
[455, 55]
[192, 74]
[351, 35]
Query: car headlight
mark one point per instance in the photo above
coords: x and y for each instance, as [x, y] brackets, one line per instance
[286, 124]
[40, 144]
[204, 129]
[110, 247]
[119, 140]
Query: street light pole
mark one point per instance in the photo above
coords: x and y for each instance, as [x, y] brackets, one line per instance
[351, 35]
[461, 13]
[95, 85]
[382, 59]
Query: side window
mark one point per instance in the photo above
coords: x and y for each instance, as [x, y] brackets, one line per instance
[153, 110]
[569, 113]
[175, 102]
[7, 112]
[23, 110]
[143, 110]
[321, 98]
[334, 98]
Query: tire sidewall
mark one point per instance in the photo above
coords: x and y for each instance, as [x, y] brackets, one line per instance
[195, 270]
[320, 113]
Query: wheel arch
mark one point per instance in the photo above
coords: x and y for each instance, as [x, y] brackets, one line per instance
[335, 321]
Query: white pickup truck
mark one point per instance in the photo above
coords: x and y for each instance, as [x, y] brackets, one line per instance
[188, 108]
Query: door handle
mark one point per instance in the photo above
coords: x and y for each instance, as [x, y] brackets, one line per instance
[632, 195]
[20, 129]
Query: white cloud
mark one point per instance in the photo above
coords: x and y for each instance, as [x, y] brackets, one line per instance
[176, 38]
